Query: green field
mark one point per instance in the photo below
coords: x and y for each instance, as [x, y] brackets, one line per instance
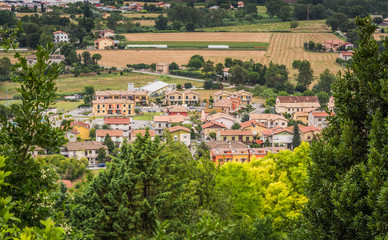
[70, 85]
[202, 45]
[304, 27]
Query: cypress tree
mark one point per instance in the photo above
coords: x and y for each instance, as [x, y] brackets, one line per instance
[296, 139]
[348, 177]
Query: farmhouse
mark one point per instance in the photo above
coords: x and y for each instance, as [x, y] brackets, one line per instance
[332, 45]
[79, 150]
[113, 107]
[187, 97]
[54, 58]
[103, 43]
[140, 97]
[291, 104]
[162, 68]
[60, 36]
[107, 33]
[346, 55]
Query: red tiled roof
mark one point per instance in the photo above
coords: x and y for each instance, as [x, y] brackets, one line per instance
[100, 39]
[320, 114]
[58, 32]
[305, 129]
[112, 133]
[259, 141]
[236, 132]
[142, 132]
[80, 124]
[177, 128]
[269, 132]
[212, 123]
[67, 183]
[348, 53]
[297, 99]
[250, 123]
[116, 120]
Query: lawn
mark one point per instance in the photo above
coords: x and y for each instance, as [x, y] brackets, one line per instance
[147, 116]
[66, 106]
[202, 45]
[70, 85]
[304, 27]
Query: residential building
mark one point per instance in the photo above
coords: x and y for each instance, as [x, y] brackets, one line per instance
[71, 135]
[292, 104]
[157, 88]
[142, 132]
[60, 36]
[140, 97]
[187, 97]
[209, 127]
[330, 104]
[120, 123]
[176, 110]
[87, 149]
[308, 133]
[222, 118]
[107, 33]
[255, 126]
[162, 68]
[181, 134]
[270, 120]
[103, 43]
[348, 46]
[113, 107]
[279, 137]
[162, 122]
[244, 96]
[244, 136]
[301, 116]
[318, 119]
[117, 136]
[54, 58]
[240, 4]
[332, 45]
[227, 105]
[82, 128]
[346, 55]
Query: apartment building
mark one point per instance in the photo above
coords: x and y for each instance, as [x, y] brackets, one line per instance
[187, 97]
[139, 97]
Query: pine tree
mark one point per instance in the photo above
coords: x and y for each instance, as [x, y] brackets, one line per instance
[348, 179]
[296, 139]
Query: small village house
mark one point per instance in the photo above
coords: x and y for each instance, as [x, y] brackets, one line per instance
[346, 55]
[244, 96]
[103, 43]
[60, 36]
[255, 126]
[87, 149]
[82, 128]
[279, 137]
[140, 97]
[292, 104]
[187, 97]
[182, 134]
[71, 135]
[176, 110]
[119, 123]
[222, 118]
[162, 68]
[227, 105]
[332, 45]
[54, 58]
[162, 122]
[117, 136]
[244, 136]
[270, 120]
[301, 116]
[209, 127]
[308, 133]
[142, 132]
[318, 119]
[107, 33]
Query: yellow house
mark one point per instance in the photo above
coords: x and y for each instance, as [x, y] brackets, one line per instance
[221, 95]
[301, 116]
[244, 96]
[139, 97]
[244, 136]
[254, 126]
[103, 43]
[181, 134]
[111, 107]
[211, 126]
[82, 128]
[186, 97]
[308, 133]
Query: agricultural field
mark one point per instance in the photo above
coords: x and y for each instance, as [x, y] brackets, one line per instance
[141, 15]
[283, 48]
[304, 27]
[145, 22]
[198, 37]
[380, 36]
[204, 45]
[71, 85]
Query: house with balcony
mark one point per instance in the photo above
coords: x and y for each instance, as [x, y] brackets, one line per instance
[270, 120]
[117, 136]
[279, 137]
[113, 107]
[187, 97]
[162, 122]
[87, 149]
[119, 123]
[140, 97]
[292, 104]
[244, 96]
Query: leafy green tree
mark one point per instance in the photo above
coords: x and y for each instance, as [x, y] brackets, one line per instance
[270, 102]
[213, 135]
[326, 79]
[5, 66]
[196, 61]
[323, 98]
[109, 143]
[87, 58]
[88, 94]
[285, 13]
[173, 66]
[253, 78]
[349, 200]
[161, 22]
[220, 69]
[296, 139]
[67, 168]
[238, 75]
[188, 85]
[308, 93]
[273, 7]
[96, 57]
[208, 66]
[250, 8]
[113, 20]
[305, 76]
[236, 126]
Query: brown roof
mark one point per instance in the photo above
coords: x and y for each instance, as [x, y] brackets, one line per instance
[177, 128]
[100, 39]
[297, 99]
[116, 120]
[320, 114]
[112, 133]
[221, 115]
[236, 133]
[250, 123]
[177, 108]
[348, 53]
[80, 146]
[213, 125]
[269, 132]
[221, 92]
[162, 64]
[305, 129]
[191, 91]
[223, 103]
[142, 132]
[119, 92]
[243, 92]
[226, 144]
[171, 118]
[81, 124]
[59, 32]
[113, 101]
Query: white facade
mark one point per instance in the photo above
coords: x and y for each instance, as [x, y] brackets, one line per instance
[280, 139]
[60, 36]
[318, 119]
[182, 137]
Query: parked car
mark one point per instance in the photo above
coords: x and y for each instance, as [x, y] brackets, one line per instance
[101, 165]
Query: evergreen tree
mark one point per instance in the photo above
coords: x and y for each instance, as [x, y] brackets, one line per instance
[348, 177]
[101, 157]
[109, 143]
[296, 139]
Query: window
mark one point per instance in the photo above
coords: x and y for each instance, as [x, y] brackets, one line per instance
[103, 106]
[117, 106]
[193, 97]
[224, 138]
[247, 139]
[103, 111]
[98, 106]
[98, 111]
[283, 123]
[160, 125]
[124, 110]
[319, 119]
[175, 137]
[233, 138]
[110, 106]
[179, 97]
[124, 105]
[187, 97]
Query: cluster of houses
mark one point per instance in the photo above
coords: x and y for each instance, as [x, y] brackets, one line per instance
[266, 132]
[334, 46]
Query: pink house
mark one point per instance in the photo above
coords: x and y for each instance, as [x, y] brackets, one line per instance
[332, 45]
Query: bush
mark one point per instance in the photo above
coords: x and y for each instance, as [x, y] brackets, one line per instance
[296, 64]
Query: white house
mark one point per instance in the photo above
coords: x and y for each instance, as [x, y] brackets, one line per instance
[60, 36]
[120, 123]
[223, 118]
[346, 55]
[279, 137]
[162, 122]
[318, 119]
[115, 135]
